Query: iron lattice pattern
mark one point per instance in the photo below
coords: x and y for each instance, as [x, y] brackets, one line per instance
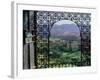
[36, 45]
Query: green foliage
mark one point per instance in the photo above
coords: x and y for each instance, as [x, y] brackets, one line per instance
[63, 54]
[59, 53]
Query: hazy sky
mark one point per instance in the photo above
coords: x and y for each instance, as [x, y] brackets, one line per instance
[65, 27]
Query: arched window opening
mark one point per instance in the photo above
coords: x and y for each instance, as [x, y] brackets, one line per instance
[65, 43]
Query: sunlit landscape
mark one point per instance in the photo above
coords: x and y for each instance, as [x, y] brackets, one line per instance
[65, 43]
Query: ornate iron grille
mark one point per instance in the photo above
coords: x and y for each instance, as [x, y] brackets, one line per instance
[36, 35]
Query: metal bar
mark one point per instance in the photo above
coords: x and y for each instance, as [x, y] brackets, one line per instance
[28, 27]
[80, 28]
[81, 44]
[48, 45]
[23, 37]
[81, 48]
[35, 39]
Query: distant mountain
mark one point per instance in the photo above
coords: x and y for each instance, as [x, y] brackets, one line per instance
[65, 30]
[70, 37]
[71, 34]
